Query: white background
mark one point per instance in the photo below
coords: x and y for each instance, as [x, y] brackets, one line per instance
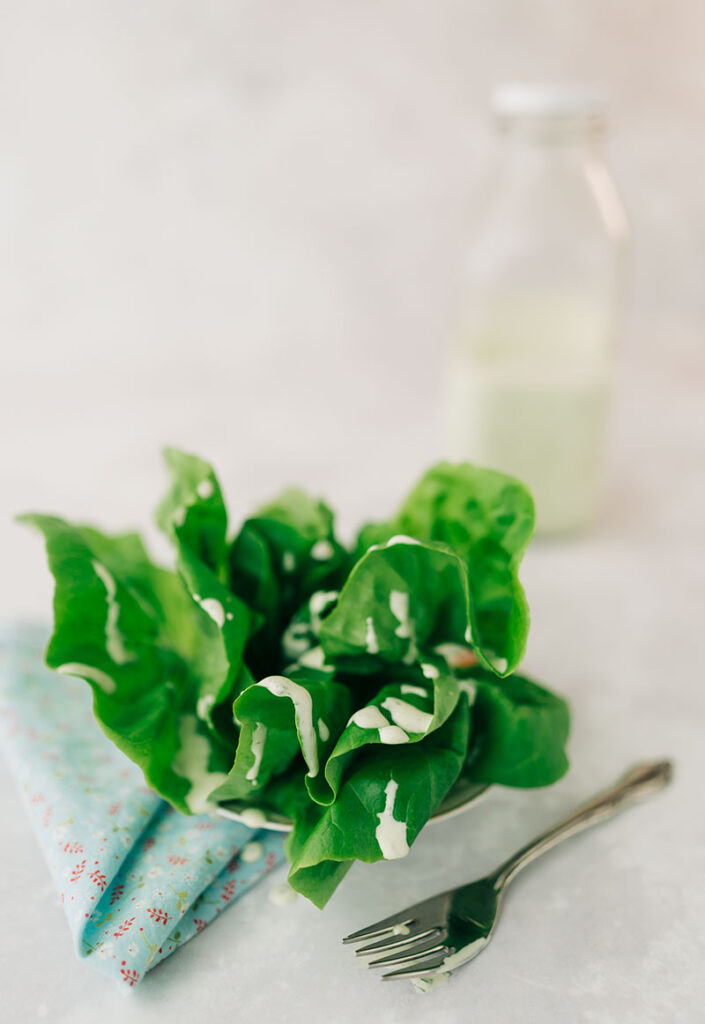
[236, 227]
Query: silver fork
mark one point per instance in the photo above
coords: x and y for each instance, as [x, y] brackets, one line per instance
[450, 929]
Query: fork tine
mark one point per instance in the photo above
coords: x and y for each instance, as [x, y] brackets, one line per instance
[420, 968]
[387, 924]
[396, 941]
[404, 956]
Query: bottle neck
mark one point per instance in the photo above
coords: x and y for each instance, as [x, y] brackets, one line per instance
[559, 135]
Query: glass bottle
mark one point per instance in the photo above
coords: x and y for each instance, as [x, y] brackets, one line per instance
[533, 358]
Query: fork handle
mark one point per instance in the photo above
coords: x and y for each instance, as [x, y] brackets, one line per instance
[640, 781]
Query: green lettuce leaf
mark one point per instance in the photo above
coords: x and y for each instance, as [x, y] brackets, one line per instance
[380, 809]
[279, 559]
[519, 733]
[400, 604]
[193, 515]
[193, 512]
[130, 630]
[346, 691]
[400, 713]
[488, 519]
[282, 717]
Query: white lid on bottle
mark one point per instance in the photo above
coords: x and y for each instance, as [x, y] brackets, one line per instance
[549, 101]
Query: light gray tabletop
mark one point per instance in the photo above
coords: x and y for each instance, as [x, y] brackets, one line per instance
[234, 227]
[608, 928]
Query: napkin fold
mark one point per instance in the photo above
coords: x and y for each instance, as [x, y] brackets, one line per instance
[136, 878]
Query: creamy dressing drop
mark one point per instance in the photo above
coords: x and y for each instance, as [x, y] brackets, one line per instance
[214, 610]
[318, 603]
[94, 675]
[392, 735]
[468, 687]
[313, 658]
[114, 642]
[417, 690]
[191, 762]
[399, 604]
[430, 671]
[259, 737]
[251, 852]
[204, 704]
[390, 833]
[406, 716]
[280, 686]
[369, 718]
[322, 551]
[372, 718]
[432, 981]
[282, 895]
[296, 640]
[401, 538]
[205, 489]
[253, 817]
[456, 655]
[323, 730]
[371, 643]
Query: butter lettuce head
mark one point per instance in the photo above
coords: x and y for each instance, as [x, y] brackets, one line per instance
[347, 689]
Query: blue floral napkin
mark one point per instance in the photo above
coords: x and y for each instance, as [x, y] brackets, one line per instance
[136, 878]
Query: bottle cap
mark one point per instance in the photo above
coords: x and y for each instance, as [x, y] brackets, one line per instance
[549, 101]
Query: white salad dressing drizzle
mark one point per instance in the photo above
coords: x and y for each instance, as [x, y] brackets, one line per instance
[93, 675]
[369, 718]
[469, 688]
[399, 538]
[392, 735]
[280, 686]
[399, 604]
[371, 643]
[318, 603]
[430, 671]
[390, 833]
[205, 489]
[467, 953]
[296, 640]
[214, 609]
[259, 737]
[406, 716]
[313, 658]
[372, 718]
[204, 704]
[501, 664]
[251, 852]
[282, 895]
[431, 982]
[323, 730]
[418, 691]
[322, 551]
[253, 817]
[456, 655]
[114, 642]
[191, 762]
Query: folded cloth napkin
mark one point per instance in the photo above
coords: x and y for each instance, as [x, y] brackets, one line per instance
[136, 878]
